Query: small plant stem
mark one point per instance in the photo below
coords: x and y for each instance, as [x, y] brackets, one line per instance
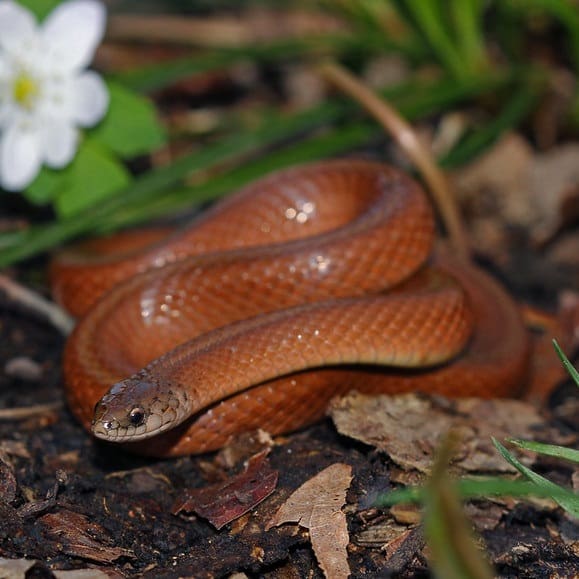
[407, 139]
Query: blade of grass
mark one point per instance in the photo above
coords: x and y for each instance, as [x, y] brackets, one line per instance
[429, 18]
[149, 185]
[317, 147]
[516, 109]
[407, 139]
[415, 99]
[448, 533]
[547, 449]
[468, 22]
[158, 76]
[565, 499]
[472, 489]
[566, 363]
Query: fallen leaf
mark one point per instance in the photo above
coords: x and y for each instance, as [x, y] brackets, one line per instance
[34, 508]
[400, 552]
[243, 447]
[409, 427]
[382, 535]
[554, 189]
[511, 186]
[317, 506]
[486, 515]
[76, 535]
[15, 568]
[492, 191]
[88, 574]
[226, 501]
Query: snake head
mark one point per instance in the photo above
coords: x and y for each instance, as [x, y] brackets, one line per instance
[136, 408]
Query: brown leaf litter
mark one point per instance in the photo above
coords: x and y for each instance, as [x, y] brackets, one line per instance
[317, 506]
[224, 502]
[409, 427]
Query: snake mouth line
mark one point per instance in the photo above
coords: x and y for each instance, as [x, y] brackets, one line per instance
[111, 432]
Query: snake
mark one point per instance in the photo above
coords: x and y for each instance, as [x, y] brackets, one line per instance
[303, 285]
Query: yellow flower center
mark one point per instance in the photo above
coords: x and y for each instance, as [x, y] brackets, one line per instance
[25, 90]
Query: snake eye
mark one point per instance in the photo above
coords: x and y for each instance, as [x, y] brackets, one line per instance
[137, 416]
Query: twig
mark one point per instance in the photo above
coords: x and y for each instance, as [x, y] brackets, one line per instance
[178, 30]
[222, 32]
[23, 412]
[407, 139]
[37, 304]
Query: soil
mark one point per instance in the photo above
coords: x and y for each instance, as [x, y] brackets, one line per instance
[70, 502]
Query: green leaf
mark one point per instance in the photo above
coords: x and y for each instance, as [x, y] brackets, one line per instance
[93, 176]
[564, 498]
[131, 126]
[46, 186]
[566, 363]
[547, 449]
[468, 488]
[40, 8]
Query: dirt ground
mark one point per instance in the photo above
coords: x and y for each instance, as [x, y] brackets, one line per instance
[69, 502]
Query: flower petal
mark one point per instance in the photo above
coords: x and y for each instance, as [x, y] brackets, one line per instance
[19, 158]
[73, 30]
[90, 99]
[16, 24]
[58, 143]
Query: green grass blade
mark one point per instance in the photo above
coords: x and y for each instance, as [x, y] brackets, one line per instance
[565, 499]
[563, 452]
[315, 148]
[414, 100]
[158, 76]
[454, 553]
[474, 489]
[152, 183]
[514, 111]
[469, 30]
[430, 19]
[566, 363]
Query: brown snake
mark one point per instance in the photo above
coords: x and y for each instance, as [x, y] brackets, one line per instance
[273, 302]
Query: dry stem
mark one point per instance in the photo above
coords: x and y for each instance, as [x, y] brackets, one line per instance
[407, 139]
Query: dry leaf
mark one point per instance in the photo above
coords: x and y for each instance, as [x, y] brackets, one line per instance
[493, 193]
[512, 186]
[409, 427]
[87, 574]
[317, 506]
[76, 535]
[224, 502]
[15, 568]
[554, 188]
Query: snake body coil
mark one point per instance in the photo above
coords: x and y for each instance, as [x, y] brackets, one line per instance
[273, 302]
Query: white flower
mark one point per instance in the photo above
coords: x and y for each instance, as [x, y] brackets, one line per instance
[45, 91]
